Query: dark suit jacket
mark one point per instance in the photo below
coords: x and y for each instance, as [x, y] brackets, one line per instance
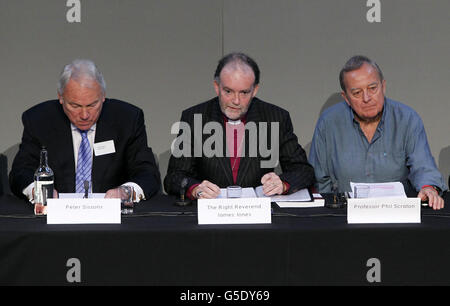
[47, 124]
[295, 167]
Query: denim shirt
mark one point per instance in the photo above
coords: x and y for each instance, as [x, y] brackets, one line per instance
[398, 152]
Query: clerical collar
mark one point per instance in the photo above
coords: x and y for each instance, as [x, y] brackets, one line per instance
[234, 122]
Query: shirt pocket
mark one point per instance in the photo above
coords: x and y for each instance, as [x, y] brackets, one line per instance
[392, 165]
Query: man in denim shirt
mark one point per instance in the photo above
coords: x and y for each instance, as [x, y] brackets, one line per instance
[370, 138]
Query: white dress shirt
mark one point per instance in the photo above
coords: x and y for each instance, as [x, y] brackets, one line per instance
[76, 139]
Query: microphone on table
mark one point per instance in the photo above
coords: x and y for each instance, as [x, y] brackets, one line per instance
[86, 189]
[336, 199]
[183, 201]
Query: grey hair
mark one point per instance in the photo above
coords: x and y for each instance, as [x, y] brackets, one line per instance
[355, 63]
[80, 69]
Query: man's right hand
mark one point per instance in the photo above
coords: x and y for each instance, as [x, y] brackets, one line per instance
[206, 190]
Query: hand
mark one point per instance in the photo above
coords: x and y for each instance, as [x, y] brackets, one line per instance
[206, 190]
[430, 194]
[113, 193]
[272, 184]
[119, 193]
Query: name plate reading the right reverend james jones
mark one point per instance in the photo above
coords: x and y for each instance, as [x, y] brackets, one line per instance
[234, 211]
[383, 210]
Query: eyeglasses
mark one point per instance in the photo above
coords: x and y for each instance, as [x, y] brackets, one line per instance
[372, 89]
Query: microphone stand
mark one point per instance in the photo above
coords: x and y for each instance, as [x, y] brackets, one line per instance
[336, 199]
[182, 201]
[86, 189]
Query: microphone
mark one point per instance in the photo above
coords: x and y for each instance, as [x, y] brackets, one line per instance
[86, 189]
[336, 199]
[183, 188]
[183, 201]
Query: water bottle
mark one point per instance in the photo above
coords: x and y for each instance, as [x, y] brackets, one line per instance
[43, 184]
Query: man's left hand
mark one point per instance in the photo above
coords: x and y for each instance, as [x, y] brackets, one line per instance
[113, 194]
[430, 194]
[272, 184]
[117, 193]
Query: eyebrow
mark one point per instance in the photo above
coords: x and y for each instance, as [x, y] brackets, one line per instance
[243, 90]
[76, 104]
[373, 83]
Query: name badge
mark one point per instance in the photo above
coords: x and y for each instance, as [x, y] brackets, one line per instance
[83, 211]
[103, 148]
[383, 210]
[234, 211]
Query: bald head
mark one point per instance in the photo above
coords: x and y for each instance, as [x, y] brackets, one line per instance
[239, 62]
[237, 69]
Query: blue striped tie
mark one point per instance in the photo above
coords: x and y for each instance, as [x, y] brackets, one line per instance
[84, 163]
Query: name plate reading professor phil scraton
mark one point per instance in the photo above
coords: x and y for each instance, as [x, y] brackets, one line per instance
[234, 211]
[383, 210]
[83, 211]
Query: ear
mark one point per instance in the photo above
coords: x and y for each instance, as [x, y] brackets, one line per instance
[383, 87]
[345, 97]
[216, 87]
[255, 90]
[60, 98]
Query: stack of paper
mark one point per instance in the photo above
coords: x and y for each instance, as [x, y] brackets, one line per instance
[379, 190]
[300, 198]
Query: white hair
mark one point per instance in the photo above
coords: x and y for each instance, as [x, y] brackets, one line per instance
[80, 69]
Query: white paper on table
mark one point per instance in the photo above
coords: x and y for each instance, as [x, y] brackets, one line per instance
[317, 196]
[300, 196]
[293, 204]
[382, 190]
[81, 195]
[247, 192]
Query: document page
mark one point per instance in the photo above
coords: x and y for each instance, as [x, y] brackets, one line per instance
[292, 204]
[299, 196]
[248, 192]
[377, 190]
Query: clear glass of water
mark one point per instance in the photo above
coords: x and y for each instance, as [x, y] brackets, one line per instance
[126, 200]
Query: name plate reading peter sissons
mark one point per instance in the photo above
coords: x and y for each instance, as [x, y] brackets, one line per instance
[83, 211]
[234, 211]
[383, 210]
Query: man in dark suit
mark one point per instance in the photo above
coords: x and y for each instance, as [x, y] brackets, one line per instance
[237, 154]
[88, 138]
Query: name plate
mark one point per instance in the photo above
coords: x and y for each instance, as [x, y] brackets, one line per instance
[383, 210]
[234, 211]
[83, 211]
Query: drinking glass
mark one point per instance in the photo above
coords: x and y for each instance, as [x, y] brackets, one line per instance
[126, 199]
